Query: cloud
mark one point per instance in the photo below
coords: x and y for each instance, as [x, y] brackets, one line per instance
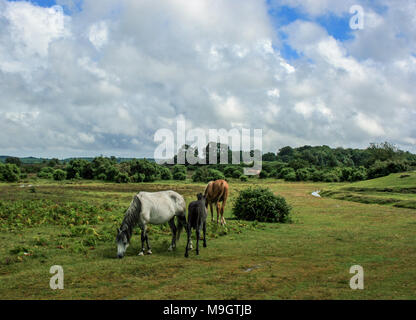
[106, 78]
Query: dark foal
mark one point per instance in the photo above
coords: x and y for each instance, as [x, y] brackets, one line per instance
[197, 219]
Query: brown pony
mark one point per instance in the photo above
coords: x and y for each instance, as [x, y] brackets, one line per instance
[215, 192]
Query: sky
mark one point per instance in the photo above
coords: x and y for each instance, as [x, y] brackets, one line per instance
[87, 77]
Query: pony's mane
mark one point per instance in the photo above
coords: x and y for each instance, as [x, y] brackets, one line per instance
[131, 217]
[206, 189]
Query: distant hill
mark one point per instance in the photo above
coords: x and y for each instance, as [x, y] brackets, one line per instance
[34, 160]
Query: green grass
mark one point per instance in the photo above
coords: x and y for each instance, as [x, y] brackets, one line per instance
[398, 190]
[307, 259]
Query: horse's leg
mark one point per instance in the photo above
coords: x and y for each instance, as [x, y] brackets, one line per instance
[149, 250]
[173, 228]
[143, 238]
[197, 238]
[212, 211]
[218, 211]
[222, 211]
[204, 229]
[188, 242]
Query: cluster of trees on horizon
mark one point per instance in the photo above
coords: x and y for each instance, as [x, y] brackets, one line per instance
[306, 163]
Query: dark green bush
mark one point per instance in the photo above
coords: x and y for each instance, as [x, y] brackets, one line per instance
[137, 177]
[358, 174]
[291, 176]
[59, 175]
[318, 175]
[263, 174]
[205, 175]
[149, 169]
[330, 176]
[262, 205]
[46, 173]
[165, 173]
[9, 172]
[303, 174]
[384, 168]
[238, 171]
[287, 171]
[102, 176]
[180, 176]
[122, 177]
[243, 178]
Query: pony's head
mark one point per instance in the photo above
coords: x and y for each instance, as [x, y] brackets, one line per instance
[122, 240]
[200, 196]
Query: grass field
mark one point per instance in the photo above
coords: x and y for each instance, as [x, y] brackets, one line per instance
[73, 224]
[398, 190]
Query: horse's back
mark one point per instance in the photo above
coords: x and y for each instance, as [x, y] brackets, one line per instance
[163, 200]
[216, 190]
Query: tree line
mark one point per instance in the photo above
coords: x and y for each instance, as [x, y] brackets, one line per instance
[306, 163]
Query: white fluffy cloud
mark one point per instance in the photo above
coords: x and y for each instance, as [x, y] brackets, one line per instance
[106, 78]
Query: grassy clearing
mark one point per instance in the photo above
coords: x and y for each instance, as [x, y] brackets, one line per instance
[308, 259]
[398, 190]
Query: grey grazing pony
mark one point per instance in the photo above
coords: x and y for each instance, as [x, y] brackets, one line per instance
[154, 208]
[197, 219]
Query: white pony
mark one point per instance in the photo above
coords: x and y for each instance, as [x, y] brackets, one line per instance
[154, 208]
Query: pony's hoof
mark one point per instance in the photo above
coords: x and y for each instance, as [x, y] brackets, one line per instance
[186, 255]
[205, 245]
[170, 249]
[141, 253]
[149, 251]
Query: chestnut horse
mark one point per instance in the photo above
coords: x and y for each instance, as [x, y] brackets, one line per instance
[216, 192]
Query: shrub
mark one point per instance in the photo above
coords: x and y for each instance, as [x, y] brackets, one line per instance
[9, 172]
[179, 168]
[206, 175]
[303, 174]
[238, 171]
[137, 177]
[384, 168]
[291, 176]
[46, 173]
[318, 175]
[79, 167]
[243, 178]
[179, 176]
[122, 177]
[285, 171]
[262, 205]
[229, 171]
[165, 173]
[150, 170]
[358, 174]
[263, 174]
[59, 175]
[102, 176]
[330, 177]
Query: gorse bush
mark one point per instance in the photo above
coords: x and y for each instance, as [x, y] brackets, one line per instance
[243, 178]
[46, 173]
[165, 173]
[262, 205]
[384, 168]
[9, 172]
[206, 175]
[59, 175]
[179, 172]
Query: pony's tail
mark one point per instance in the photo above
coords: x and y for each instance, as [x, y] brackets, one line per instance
[181, 224]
